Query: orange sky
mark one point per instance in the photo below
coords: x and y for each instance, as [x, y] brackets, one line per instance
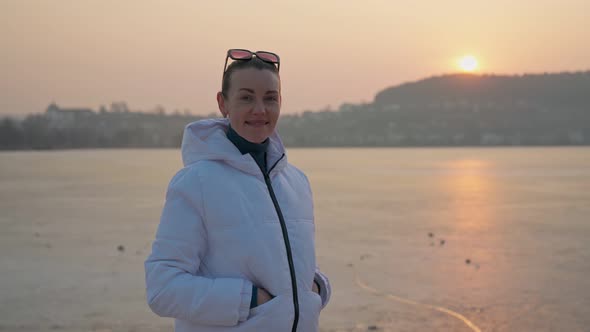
[171, 53]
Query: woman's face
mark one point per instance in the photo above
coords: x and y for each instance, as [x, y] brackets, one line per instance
[253, 103]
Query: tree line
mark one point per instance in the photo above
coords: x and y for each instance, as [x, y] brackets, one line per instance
[451, 110]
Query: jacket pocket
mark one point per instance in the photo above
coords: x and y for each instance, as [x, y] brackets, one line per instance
[310, 305]
[265, 307]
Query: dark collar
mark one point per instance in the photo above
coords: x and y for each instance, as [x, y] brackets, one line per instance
[244, 145]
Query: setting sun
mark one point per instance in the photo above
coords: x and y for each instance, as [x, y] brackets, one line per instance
[468, 63]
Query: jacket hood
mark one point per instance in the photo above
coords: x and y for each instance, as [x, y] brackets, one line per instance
[207, 140]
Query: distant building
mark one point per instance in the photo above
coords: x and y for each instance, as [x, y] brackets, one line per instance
[66, 117]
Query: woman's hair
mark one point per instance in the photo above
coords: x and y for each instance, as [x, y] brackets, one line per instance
[243, 64]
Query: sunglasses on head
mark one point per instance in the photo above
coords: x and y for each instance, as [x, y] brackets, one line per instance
[245, 55]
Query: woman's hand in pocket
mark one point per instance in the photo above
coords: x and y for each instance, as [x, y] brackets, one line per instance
[263, 296]
[315, 288]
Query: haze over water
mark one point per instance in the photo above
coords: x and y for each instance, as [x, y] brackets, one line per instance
[519, 215]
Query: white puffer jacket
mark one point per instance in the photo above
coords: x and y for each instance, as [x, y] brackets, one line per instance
[220, 233]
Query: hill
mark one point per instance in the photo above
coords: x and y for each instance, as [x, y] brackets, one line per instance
[458, 110]
[547, 90]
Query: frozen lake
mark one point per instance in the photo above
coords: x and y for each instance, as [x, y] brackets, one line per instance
[412, 239]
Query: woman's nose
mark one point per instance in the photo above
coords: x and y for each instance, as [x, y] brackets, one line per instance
[259, 107]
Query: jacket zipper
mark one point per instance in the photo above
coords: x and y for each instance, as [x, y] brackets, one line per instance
[287, 243]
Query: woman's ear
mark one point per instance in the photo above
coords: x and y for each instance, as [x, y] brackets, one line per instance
[221, 104]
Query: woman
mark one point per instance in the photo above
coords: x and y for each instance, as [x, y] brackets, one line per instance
[235, 250]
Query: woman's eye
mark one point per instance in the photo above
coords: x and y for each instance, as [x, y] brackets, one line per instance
[274, 98]
[246, 98]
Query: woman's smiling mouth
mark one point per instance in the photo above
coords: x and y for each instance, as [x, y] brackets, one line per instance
[257, 123]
